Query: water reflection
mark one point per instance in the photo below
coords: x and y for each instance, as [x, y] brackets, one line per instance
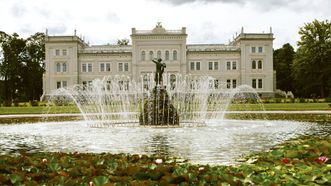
[220, 143]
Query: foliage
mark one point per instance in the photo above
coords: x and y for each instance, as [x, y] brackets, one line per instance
[123, 42]
[303, 161]
[312, 65]
[21, 66]
[283, 60]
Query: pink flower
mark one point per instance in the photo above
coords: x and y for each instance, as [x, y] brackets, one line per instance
[91, 183]
[285, 161]
[322, 159]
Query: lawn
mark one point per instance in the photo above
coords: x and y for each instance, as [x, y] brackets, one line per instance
[233, 107]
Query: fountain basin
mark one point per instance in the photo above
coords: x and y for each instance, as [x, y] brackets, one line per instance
[218, 142]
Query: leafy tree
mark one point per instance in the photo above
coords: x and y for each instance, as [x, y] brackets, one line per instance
[33, 68]
[283, 60]
[312, 64]
[21, 66]
[122, 42]
[13, 55]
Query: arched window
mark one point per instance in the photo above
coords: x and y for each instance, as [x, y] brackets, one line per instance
[174, 55]
[167, 55]
[58, 67]
[143, 56]
[253, 64]
[259, 64]
[151, 55]
[64, 67]
[158, 54]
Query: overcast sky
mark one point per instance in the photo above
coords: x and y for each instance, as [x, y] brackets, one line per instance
[207, 21]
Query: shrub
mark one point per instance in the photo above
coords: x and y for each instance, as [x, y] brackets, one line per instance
[328, 100]
[33, 103]
[7, 103]
[302, 100]
[16, 102]
[278, 100]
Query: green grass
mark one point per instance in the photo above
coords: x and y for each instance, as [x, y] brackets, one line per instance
[38, 110]
[233, 107]
[281, 106]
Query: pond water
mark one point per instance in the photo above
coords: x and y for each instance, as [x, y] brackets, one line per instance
[220, 142]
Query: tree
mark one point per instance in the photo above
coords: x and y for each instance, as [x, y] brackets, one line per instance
[312, 64]
[283, 60]
[10, 68]
[33, 68]
[21, 67]
[122, 42]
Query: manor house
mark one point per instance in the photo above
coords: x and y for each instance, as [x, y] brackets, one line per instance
[247, 59]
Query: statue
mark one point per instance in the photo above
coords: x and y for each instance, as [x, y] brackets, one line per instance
[159, 70]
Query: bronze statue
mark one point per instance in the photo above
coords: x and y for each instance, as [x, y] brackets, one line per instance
[159, 70]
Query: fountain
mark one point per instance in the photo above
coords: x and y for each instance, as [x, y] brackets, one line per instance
[180, 101]
[156, 100]
[191, 111]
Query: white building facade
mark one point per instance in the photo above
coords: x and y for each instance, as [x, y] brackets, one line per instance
[247, 60]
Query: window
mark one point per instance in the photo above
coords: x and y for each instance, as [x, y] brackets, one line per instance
[64, 52]
[146, 81]
[58, 84]
[259, 64]
[104, 67]
[215, 65]
[123, 67]
[158, 54]
[84, 69]
[172, 81]
[120, 67]
[57, 52]
[228, 83]
[254, 83]
[216, 83]
[253, 64]
[87, 67]
[234, 65]
[64, 67]
[228, 65]
[108, 67]
[253, 49]
[61, 84]
[197, 66]
[260, 83]
[174, 55]
[64, 84]
[58, 67]
[124, 85]
[143, 56]
[234, 83]
[61, 67]
[210, 65]
[167, 55]
[260, 49]
[126, 67]
[192, 66]
[108, 85]
[151, 55]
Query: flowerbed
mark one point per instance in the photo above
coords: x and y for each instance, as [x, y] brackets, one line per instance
[299, 161]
